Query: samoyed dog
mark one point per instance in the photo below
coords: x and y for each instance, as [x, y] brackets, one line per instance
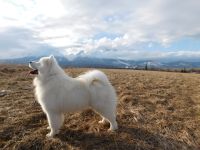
[57, 93]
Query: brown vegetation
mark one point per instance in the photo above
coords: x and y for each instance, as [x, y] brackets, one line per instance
[156, 110]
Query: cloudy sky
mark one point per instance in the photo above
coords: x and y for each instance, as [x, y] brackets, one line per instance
[127, 29]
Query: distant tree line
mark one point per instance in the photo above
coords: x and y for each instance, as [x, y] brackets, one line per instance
[183, 70]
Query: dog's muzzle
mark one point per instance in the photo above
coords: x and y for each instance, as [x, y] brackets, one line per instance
[34, 71]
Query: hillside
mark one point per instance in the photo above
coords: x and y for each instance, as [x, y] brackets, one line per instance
[90, 62]
[156, 110]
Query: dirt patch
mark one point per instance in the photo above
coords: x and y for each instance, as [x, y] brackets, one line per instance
[156, 110]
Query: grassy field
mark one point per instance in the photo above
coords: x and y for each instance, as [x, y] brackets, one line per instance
[156, 110]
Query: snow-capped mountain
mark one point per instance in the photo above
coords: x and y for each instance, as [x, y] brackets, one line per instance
[107, 63]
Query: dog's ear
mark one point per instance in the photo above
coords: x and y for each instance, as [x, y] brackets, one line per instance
[50, 60]
[51, 57]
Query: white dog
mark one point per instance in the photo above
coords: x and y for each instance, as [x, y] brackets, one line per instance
[58, 93]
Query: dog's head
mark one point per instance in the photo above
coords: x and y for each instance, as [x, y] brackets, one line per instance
[43, 66]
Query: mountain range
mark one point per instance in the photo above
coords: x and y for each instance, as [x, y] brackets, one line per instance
[108, 63]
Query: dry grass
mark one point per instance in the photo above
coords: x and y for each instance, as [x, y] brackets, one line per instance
[156, 110]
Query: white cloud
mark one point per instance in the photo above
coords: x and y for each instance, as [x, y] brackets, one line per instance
[20, 42]
[31, 13]
[72, 25]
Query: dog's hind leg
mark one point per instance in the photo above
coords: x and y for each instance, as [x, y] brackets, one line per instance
[103, 121]
[110, 116]
[112, 120]
[55, 121]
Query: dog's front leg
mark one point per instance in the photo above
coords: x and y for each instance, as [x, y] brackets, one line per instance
[55, 121]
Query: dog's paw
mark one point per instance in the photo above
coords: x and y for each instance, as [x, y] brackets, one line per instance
[102, 122]
[113, 128]
[50, 135]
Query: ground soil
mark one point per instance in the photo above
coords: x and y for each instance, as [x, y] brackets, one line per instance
[156, 110]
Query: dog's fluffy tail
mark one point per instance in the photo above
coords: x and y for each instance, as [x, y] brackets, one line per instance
[95, 77]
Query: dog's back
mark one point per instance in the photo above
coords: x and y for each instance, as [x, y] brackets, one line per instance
[95, 77]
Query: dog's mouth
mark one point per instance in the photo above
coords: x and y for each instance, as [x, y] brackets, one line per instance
[35, 71]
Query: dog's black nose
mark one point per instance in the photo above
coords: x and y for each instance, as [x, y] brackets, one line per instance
[30, 62]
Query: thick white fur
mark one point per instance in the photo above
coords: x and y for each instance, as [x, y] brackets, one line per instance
[58, 93]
